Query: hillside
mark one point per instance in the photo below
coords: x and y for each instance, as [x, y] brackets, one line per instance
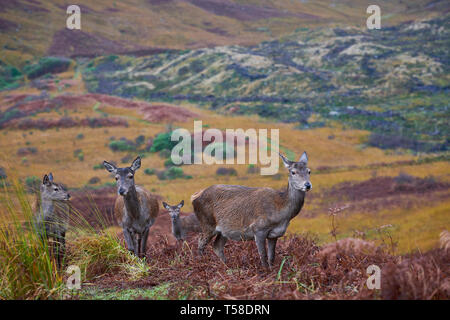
[371, 109]
[31, 28]
[393, 82]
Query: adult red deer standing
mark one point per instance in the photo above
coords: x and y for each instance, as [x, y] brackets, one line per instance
[136, 209]
[243, 213]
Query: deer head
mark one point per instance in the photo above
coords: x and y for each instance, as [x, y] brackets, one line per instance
[299, 173]
[124, 176]
[53, 191]
[174, 211]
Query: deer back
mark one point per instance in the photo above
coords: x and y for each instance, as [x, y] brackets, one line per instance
[237, 207]
[190, 223]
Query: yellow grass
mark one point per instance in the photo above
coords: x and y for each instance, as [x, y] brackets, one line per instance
[56, 154]
[414, 229]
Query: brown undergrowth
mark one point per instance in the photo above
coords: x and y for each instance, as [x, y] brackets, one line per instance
[302, 270]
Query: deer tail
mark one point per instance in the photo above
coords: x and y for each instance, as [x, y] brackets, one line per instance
[197, 194]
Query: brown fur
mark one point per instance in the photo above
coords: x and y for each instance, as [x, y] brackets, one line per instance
[190, 223]
[143, 195]
[244, 213]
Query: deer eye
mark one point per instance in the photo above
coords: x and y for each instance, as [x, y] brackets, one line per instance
[130, 177]
[56, 189]
[293, 173]
[117, 178]
[309, 171]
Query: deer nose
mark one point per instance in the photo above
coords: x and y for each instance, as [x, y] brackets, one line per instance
[68, 196]
[121, 191]
[308, 185]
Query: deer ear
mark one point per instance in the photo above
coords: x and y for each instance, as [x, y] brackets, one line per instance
[303, 158]
[110, 167]
[46, 180]
[50, 177]
[165, 205]
[136, 164]
[286, 161]
[181, 204]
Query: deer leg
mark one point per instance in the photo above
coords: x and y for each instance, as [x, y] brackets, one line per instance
[137, 240]
[271, 243]
[129, 239]
[203, 241]
[260, 240]
[61, 248]
[219, 244]
[144, 242]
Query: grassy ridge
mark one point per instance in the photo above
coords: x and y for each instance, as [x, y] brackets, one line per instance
[393, 82]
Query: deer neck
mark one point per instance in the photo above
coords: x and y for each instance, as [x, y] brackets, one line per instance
[177, 229]
[47, 206]
[132, 202]
[294, 201]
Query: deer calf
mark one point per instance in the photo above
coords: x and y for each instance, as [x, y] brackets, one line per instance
[135, 208]
[243, 213]
[52, 219]
[184, 225]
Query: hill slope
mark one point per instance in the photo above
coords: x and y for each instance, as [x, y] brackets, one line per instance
[394, 81]
[38, 28]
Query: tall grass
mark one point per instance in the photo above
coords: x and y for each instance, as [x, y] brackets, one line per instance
[28, 270]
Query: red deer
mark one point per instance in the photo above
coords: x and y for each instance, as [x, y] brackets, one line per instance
[135, 209]
[52, 219]
[243, 213]
[184, 225]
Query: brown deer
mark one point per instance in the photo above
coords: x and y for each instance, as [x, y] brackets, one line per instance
[135, 208]
[182, 226]
[243, 213]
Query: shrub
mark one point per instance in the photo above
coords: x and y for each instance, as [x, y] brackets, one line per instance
[46, 66]
[122, 145]
[94, 180]
[162, 142]
[149, 171]
[26, 151]
[139, 140]
[2, 174]
[226, 172]
[32, 184]
[78, 153]
[80, 136]
[98, 166]
[172, 173]
[98, 254]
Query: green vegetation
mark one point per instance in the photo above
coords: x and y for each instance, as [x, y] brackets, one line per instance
[46, 65]
[97, 254]
[392, 82]
[162, 142]
[172, 173]
[32, 184]
[27, 271]
[154, 293]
